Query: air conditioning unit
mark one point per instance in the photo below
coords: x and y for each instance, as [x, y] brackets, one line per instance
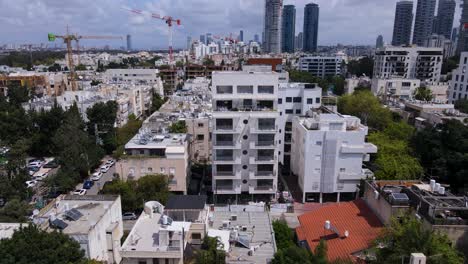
[244, 229]
[226, 224]
[233, 217]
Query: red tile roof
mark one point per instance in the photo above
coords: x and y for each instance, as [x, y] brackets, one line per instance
[355, 217]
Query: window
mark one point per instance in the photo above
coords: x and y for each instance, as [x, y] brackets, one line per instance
[298, 111]
[150, 169]
[318, 143]
[462, 78]
[289, 111]
[200, 137]
[456, 77]
[200, 125]
[317, 100]
[196, 236]
[310, 101]
[280, 100]
[464, 60]
[163, 170]
[342, 169]
[245, 89]
[297, 100]
[264, 89]
[224, 89]
[288, 99]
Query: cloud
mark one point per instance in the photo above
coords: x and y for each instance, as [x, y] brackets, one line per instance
[341, 21]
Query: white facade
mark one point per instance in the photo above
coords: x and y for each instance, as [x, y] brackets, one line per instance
[294, 99]
[98, 230]
[439, 91]
[321, 66]
[420, 63]
[395, 87]
[135, 76]
[245, 123]
[458, 86]
[327, 154]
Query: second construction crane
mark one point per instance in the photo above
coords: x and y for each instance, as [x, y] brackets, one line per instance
[68, 39]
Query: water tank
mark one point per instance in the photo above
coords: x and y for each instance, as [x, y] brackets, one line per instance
[327, 225]
[442, 190]
[432, 184]
[165, 220]
[437, 187]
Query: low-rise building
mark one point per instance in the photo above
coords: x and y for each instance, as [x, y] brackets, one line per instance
[395, 88]
[321, 66]
[94, 221]
[155, 238]
[352, 83]
[327, 153]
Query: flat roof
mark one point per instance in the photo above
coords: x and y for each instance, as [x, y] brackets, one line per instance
[173, 143]
[7, 229]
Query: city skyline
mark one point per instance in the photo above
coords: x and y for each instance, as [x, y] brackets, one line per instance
[338, 20]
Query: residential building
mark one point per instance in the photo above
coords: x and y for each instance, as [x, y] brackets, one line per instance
[155, 238]
[443, 23]
[94, 221]
[157, 153]
[458, 86]
[349, 230]
[327, 153]
[437, 208]
[420, 63]
[294, 99]
[203, 39]
[463, 34]
[288, 32]
[193, 209]
[424, 20]
[439, 41]
[241, 35]
[395, 88]
[439, 91]
[272, 26]
[245, 120]
[379, 43]
[200, 131]
[321, 66]
[8, 229]
[276, 63]
[403, 23]
[352, 83]
[134, 76]
[310, 31]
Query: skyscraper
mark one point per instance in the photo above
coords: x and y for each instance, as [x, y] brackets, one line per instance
[202, 39]
[209, 38]
[272, 26]
[257, 38]
[288, 28]
[241, 35]
[444, 21]
[403, 23]
[379, 43]
[189, 42]
[311, 21]
[299, 41]
[423, 24]
[129, 42]
[463, 29]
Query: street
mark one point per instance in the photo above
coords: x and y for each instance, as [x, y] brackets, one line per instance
[98, 185]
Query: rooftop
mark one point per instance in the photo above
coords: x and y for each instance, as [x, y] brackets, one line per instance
[174, 143]
[186, 202]
[353, 228]
[7, 229]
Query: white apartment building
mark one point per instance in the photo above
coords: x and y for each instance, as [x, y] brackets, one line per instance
[458, 86]
[135, 76]
[420, 63]
[245, 123]
[94, 221]
[157, 153]
[397, 87]
[294, 99]
[327, 154]
[321, 66]
[155, 238]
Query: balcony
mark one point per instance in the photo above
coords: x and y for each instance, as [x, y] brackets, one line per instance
[359, 149]
[227, 145]
[263, 144]
[262, 175]
[227, 129]
[227, 175]
[267, 189]
[263, 130]
[227, 189]
[262, 160]
[226, 160]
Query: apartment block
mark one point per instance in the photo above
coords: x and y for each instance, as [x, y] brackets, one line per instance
[294, 99]
[245, 124]
[321, 66]
[420, 63]
[327, 153]
[458, 86]
[398, 88]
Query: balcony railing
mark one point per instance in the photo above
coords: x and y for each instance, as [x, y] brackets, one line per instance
[265, 173]
[224, 173]
[224, 127]
[224, 158]
[265, 158]
[265, 143]
[266, 128]
[225, 143]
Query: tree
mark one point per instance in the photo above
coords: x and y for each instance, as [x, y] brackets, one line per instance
[103, 117]
[338, 85]
[208, 62]
[80, 67]
[462, 105]
[153, 188]
[95, 82]
[362, 66]
[307, 77]
[125, 133]
[423, 94]
[15, 211]
[31, 245]
[293, 255]
[283, 234]
[449, 64]
[157, 102]
[211, 252]
[408, 235]
[178, 127]
[127, 192]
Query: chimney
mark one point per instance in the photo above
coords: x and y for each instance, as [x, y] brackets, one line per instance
[417, 258]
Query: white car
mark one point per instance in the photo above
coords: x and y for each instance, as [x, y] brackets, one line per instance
[31, 184]
[105, 168]
[96, 176]
[80, 192]
[110, 162]
[41, 176]
[36, 163]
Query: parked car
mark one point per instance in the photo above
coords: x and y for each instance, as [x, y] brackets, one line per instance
[110, 162]
[80, 192]
[35, 163]
[41, 176]
[31, 184]
[51, 165]
[96, 176]
[129, 216]
[88, 184]
[105, 168]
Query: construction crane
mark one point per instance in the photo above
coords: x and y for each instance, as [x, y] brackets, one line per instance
[170, 21]
[68, 39]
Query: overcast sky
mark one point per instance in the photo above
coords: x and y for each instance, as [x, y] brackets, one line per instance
[341, 21]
